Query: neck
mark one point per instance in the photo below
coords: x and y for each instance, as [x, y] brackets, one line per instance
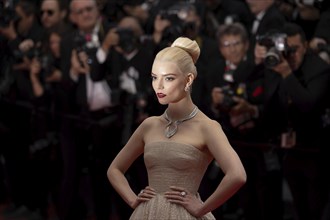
[177, 111]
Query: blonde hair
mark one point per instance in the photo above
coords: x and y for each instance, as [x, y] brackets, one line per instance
[184, 52]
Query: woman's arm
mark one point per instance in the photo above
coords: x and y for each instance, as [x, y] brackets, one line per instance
[229, 163]
[132, 150]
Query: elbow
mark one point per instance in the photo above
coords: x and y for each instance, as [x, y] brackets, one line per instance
[113, 173]
[240, 178]
[110, 174]
[243, 179]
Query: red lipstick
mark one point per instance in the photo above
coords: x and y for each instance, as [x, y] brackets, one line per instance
[161, 95]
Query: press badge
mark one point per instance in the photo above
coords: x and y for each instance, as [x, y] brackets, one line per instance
[288, 139]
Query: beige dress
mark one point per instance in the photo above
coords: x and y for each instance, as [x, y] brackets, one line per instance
[171, 164]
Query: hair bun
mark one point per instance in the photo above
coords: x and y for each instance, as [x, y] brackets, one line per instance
[188, 45]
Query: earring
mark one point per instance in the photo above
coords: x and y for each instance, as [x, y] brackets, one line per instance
[187, 88]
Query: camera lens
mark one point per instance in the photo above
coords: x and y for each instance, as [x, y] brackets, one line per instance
[273, 57]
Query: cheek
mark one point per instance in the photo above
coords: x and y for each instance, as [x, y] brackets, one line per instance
[153, 85]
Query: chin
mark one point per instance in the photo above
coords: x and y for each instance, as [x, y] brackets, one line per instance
[162, 102]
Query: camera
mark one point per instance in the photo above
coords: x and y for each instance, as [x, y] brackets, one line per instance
[127, 39]
[7, 15]
[277, 48]
[80, 42]
[228, 101]
[323, 48]
[230, 91]
[177, 15]
[46, 59]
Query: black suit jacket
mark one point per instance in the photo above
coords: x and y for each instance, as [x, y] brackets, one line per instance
[215, 78]
[322, 29]
[273, 19]
[209, 54]
[76, 92]
[297, 101]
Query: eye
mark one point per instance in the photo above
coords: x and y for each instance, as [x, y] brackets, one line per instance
[169, 78]
[153, 78]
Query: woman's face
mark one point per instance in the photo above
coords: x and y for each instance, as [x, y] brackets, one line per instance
[168, 82]
[54, 44]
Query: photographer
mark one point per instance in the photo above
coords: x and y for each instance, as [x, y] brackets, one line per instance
[131, 58]
[305, 13]
[266, 17]
[22, 32]
[235, 94]
[91, 124]
[186, 19]
[295, 97]
[228, 76]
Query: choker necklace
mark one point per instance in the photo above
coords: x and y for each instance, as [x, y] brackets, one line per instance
[172, 126]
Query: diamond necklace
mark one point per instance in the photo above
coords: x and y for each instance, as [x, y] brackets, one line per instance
[172, 126]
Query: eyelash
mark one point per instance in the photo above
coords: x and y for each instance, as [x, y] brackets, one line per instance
[167, 78]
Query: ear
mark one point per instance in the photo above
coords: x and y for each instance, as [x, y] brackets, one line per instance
[190, 79]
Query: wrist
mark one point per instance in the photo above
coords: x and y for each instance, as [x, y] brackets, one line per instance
[34, 80]
[253, 110]
[12, 36]
[157, 36]
[73, 71]
[286, 74]
[133, 204]
[105, 47]
[201, 211]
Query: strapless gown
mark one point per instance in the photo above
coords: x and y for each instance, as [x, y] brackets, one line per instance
[171, 164]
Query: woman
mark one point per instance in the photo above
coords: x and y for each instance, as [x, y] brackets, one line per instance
[178, 146]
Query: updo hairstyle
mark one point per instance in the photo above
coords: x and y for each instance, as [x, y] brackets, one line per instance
[184, 52]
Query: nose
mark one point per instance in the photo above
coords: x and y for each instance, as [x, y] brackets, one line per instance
[159, 84]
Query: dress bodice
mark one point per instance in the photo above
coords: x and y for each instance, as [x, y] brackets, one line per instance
[172, 164]
[175, 164]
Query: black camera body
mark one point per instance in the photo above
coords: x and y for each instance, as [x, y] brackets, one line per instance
[177, 15]
[80, 42]
[170, 15]
[323, 48]
[228, 100]
[7, 15]
[277, 48]
[128, 42]
[34, 52]
[37, 52]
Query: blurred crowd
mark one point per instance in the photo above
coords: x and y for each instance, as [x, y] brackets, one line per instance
[75, 83]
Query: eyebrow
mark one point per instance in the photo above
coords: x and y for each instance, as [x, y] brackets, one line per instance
[166, 74]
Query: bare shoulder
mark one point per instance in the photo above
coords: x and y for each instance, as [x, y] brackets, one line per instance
[150, 122]
[209, 125]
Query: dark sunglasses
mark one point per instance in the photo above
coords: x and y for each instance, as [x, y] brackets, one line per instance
[48, 12]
